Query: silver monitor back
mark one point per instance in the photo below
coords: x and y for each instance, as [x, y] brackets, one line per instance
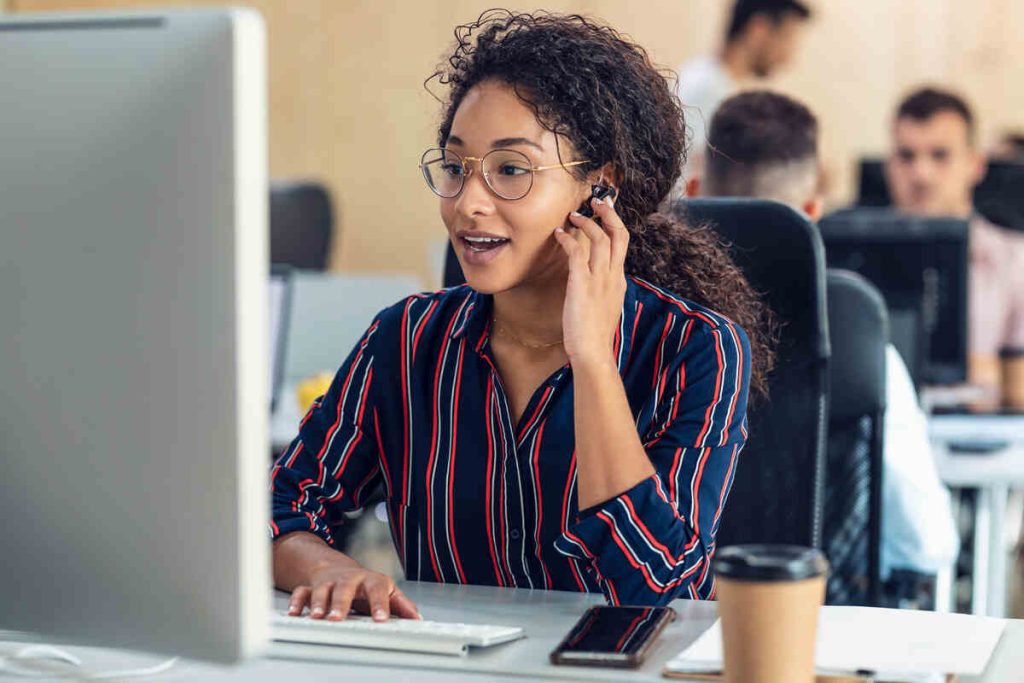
[133, 316]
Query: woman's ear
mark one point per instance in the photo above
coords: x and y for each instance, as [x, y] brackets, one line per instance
[608, 175]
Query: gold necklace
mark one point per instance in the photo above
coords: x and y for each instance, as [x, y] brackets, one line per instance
[504, 330]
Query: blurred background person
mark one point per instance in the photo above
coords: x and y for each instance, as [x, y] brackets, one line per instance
[765, 145]
[761, 38]
[933, 166]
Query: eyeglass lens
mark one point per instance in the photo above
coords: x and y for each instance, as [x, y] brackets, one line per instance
[507, 172]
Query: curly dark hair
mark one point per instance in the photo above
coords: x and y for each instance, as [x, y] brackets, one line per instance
[598, 89]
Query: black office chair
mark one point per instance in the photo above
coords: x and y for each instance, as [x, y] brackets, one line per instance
[859, 332]
[777, 493]
[453, 276]
[301, 225]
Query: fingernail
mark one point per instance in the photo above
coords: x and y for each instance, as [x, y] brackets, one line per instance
[419, 616]
[379, 615]
[293, 609]
[576, 213]
[334, 614]
[318, 611]
[598, 200]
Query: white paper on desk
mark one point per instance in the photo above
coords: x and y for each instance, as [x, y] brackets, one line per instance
[889, 640]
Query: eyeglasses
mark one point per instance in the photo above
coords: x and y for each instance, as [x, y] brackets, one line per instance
[507, 172]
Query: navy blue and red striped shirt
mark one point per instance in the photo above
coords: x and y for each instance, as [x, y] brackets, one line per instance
[417, 410]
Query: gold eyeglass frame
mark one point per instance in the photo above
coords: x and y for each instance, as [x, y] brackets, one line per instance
[468, 171]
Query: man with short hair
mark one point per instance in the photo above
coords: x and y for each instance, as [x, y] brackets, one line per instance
[932, 170]
[765, 145]
[760, 39]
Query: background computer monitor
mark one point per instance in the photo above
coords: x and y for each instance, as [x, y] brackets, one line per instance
[999, 197]
[920, 266]
[280, 310]
[133, 304]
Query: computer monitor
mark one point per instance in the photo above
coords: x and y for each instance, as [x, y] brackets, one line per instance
[999, 197]
[873, 188]
[280, 314]
[920, 266]
[133, 306]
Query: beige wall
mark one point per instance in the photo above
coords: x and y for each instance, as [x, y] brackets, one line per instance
[347, 103]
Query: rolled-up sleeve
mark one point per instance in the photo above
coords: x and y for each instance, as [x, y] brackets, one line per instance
[333, 463]
[653, 543]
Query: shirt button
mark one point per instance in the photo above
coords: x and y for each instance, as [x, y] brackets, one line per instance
[514, 534]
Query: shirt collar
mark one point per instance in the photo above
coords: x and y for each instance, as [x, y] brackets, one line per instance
[473, 314]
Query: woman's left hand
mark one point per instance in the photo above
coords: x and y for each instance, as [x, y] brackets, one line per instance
[597, 284]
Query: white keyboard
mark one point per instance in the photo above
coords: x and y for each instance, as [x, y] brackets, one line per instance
[408, 635]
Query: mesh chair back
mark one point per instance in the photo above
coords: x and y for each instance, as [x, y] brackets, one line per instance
[859, 326]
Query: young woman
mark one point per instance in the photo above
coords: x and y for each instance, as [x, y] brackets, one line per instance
[571, 418]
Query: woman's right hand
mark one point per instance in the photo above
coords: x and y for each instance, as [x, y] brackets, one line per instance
[331, 583]
[337, 587]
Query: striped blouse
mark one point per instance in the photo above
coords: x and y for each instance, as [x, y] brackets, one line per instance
[417, 413]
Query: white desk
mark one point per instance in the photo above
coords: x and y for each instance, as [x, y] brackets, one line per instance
[993, 475]
[546, 616]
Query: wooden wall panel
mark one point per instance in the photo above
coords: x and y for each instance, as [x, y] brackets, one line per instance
[347, 103]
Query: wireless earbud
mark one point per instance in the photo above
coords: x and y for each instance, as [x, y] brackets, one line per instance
[599, 192]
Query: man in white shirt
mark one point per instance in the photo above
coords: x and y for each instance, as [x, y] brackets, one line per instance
[760, 39]
[765, 145]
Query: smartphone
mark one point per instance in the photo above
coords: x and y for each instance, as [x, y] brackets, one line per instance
[600, 192]
[613, 636]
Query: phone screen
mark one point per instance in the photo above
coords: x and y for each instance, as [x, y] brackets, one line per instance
[614, 630]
